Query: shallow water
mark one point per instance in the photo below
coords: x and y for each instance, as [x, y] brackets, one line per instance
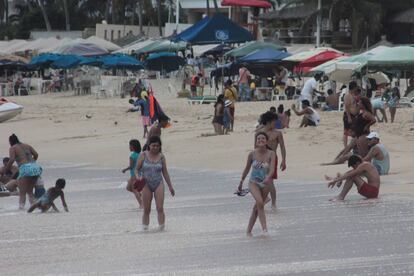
[205, 230]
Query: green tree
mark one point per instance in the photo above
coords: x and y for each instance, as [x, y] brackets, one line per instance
[44, 14]
[67, 20]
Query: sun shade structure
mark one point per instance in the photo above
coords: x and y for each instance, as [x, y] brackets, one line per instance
[164, 62]
[214, 30]
[397, 58]
[247, 3]
[264, 56]
[121, 62]
[251, 47]
[302, 56]
[159, 46]
[103, 43]
[80, 47]
[318, 59]
[43, 61]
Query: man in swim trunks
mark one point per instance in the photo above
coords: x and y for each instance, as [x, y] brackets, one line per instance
[268, 121]
[360, 168]
[378, 155]
[310, 116]
[350, 109]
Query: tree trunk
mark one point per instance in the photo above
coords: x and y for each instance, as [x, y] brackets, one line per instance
[107, 10]
[208, 7]
[134, 8]
[6, 9]
[159, 16]
[67, 23]
[140, 15]
[216, 9]
[113, 10]
[45, 17]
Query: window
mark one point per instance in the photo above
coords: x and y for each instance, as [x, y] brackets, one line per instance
[106, 34]
[112, 35]
[119, 34]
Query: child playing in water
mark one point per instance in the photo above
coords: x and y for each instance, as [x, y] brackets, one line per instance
[135, 148]
[46, 201]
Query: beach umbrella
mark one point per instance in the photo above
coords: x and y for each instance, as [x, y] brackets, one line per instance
[103, 43]
[264, 56]
[251, 47]
[12, 65]
[164, 62]
[42, 61]
[318, 59]
[302, 56]
[162, 46]
[121, 62]
[394, 58]
[219, 50]
[66, 62]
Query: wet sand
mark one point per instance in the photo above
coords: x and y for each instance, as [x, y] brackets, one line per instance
[205, 230]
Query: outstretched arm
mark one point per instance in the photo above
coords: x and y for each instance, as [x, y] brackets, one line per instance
[283, 151]
[54, 207]
[62, 197]
[167, 176]
[246, 170]
[131, 163]
[348, 174]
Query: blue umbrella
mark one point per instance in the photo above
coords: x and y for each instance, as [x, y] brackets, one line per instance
[121, 62]
[164, 62]
[14, 65]
[42, 61]
[66, 62]
[264, 56]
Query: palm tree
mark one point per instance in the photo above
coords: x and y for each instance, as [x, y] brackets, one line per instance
[159, 16]
[107, 10]
[208, 7]
[45, 17]
[65, 7]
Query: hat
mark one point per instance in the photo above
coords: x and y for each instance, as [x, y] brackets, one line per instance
[373, 135]
[144, 94]
[227, 103]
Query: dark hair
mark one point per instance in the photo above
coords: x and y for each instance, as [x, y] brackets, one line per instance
[280, 108]
[13, 140]
[60, 183]
[220, 99]
[268, 117]
[163, 118]
[261, 133]
[353, 160]
[135, 145]
[352, 85]
[154, 139]
[318, 76]
[305, 102]
[229, 82]
[330, 92]
[6, 160]
[367, 104]
[287, 112]
[396, 92]
[131, 101]
[272, 109]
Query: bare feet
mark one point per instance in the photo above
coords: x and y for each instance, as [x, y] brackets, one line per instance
[337, 198]
[161, 227]
[249, 234]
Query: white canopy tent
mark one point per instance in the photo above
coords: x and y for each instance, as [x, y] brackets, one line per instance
[103, 43]
[135, 46]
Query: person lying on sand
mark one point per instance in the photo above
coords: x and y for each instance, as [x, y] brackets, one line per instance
[360, 168]
[46, 201]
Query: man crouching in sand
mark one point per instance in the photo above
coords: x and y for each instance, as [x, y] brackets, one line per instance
[368, 189]
[46, 201]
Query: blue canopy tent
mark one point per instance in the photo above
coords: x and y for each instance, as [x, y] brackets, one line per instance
[42, 61]
[13, 65]
[214, 30]
[164, 61]
[67, 62]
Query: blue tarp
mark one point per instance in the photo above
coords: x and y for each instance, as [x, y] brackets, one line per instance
[266, 55]
[121, 62]
[214, 30]
[66, 62]
[43, 61]
[164, 61]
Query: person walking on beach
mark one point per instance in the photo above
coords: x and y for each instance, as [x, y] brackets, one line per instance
[153, 166]
[46, 201]
[393, 102]
[350, 109]
[143, 103]
[309, 88]
[262, 163]
[368, 188]
[230, 93]
[29, 170]
[275, 138]
[218, 115]
[135, 148]
[310, 116]
[163, 122]
[227, 118]
[244, 85]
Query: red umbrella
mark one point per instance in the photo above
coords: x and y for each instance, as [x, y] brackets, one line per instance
[306, 65]
[246, 3]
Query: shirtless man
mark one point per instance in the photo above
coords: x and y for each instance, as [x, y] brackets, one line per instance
[350, 109]
[360, 168]
[346, 152]
[310, 116]
[378, 154]
[268, 121]
[156, 128]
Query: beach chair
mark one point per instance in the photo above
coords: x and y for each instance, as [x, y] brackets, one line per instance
[202, 99]
[406, 102]
[278, 94]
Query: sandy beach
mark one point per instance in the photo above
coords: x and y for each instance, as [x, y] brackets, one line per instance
[57, 126]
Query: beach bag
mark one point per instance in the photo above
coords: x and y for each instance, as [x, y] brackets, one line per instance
[139, 184]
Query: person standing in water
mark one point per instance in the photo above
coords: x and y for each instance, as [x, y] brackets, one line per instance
[275, 138]
[153, 166]
[29, 170]
[135, 148]
[262, 163]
